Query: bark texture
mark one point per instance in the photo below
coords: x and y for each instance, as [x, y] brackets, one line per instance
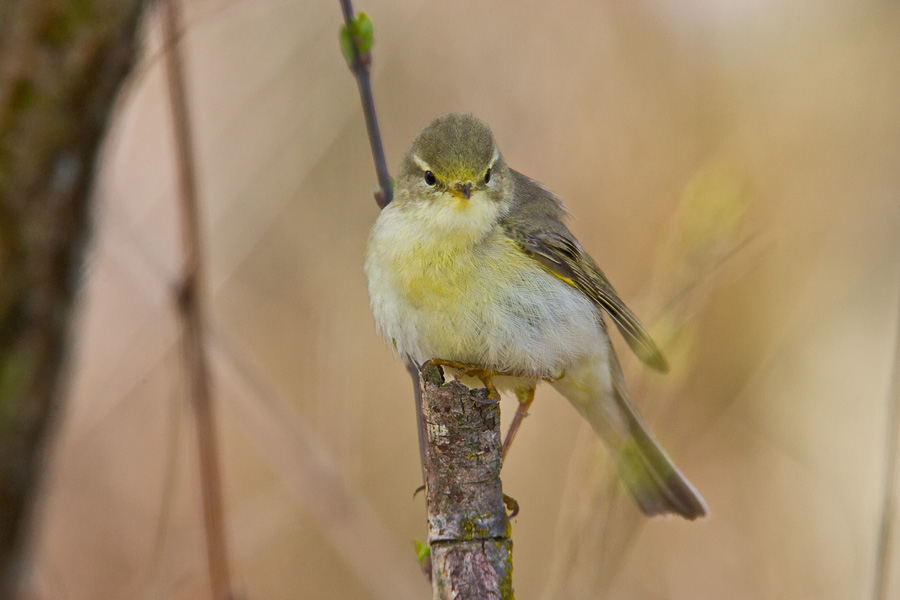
[61, 65]
[468, 530]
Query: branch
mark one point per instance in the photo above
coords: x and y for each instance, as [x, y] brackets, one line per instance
[190, 311]
[61, 68]
[356, 42]
[468, 530]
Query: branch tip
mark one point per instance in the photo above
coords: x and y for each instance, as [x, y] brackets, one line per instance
[357, 37]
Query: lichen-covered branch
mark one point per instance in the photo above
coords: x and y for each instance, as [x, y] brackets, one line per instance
[468, 530]
[61, 66]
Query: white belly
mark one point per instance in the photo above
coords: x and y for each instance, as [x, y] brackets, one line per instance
[486, 304]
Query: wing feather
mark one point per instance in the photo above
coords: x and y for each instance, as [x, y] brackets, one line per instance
[557, 250]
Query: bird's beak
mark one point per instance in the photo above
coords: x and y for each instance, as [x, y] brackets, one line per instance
[463, 191]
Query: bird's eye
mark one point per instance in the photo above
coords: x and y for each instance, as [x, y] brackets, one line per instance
[430, 178]
[487, 176]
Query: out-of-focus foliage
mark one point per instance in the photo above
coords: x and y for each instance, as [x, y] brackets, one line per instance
[731, 166]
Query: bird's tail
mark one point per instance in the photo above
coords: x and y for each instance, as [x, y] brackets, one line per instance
[654, 481]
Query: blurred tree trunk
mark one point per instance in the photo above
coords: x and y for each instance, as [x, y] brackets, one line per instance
[61, 65]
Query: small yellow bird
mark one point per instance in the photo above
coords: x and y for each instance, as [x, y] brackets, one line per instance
[471, 264]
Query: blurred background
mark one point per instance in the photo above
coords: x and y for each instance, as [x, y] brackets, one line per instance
[733, 167]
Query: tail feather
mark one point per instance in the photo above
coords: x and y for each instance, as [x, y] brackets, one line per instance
[653, 479]
[657, 485]
[596, 387]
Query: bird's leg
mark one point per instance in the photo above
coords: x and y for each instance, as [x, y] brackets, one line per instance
[465, 370]
[525, 395]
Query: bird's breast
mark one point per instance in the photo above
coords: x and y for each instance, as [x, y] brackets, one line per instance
[482, 303]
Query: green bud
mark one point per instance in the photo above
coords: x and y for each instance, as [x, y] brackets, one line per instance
[423, 551]
[360, 31]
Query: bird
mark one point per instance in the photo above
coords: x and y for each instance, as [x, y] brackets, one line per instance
[472, 266]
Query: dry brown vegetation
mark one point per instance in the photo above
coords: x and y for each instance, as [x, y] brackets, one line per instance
[732, 166]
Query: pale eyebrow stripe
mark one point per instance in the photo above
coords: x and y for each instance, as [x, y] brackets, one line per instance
[422, 164]
[496, 155]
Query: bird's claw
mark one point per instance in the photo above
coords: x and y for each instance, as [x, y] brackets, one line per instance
[483, 374]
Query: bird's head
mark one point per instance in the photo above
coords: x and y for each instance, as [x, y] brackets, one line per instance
[455, 164]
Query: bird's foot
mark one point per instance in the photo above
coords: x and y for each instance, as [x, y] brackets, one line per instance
[484, 374]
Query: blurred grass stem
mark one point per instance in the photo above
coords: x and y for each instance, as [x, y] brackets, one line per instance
[881, 589]
[190, 311]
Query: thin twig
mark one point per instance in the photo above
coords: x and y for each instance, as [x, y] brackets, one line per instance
[190, 311]
[885, 535]
[413, 369]
[167, 504]
[360, 67]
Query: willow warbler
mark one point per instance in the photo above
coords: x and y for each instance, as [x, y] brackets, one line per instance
[471, 264]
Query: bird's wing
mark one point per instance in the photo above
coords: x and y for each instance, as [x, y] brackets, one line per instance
[559, 252]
